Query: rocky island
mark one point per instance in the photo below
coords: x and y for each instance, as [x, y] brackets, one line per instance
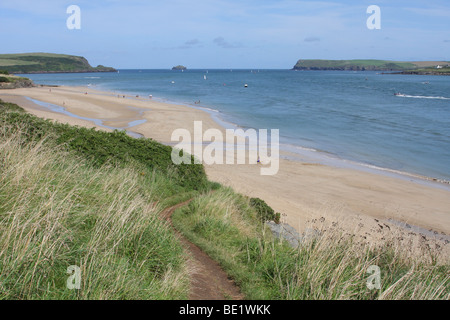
[179, 67]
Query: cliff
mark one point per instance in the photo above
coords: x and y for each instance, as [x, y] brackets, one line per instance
[47, 63]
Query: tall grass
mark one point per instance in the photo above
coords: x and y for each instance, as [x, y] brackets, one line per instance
[330, 266]
[57, 210]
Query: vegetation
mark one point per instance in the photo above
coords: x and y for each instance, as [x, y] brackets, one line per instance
[429, 71]
[103, 147]
[57, 210]
[361, 65]
[263, 210]
[47, 63]
[332, 266]
[12, 82]
[71, 196]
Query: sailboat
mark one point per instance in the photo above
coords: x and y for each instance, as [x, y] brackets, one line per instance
[204, 77]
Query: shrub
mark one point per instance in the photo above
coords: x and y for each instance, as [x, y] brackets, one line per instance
[4, 79]
[108, 147]
[277, 218]
[264, 211]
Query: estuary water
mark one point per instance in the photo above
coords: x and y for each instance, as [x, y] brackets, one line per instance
[351, 116]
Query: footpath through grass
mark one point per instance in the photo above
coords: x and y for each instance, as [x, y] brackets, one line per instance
[331, 266]
[70, 196]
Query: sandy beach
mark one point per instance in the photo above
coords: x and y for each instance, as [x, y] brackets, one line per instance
[304, 192]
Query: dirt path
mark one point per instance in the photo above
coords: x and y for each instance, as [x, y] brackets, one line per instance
[208, 280]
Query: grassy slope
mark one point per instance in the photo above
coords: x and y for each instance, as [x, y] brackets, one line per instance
[102, 147]
[46, 62]
[8, 81]
[71, 196]
[333, 266]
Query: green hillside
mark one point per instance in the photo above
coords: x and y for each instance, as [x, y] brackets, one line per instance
[47, 63]
[429, 71]
[360, 65]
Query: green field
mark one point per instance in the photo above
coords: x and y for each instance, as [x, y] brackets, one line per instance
[47, 62]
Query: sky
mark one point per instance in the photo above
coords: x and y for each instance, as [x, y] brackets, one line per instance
[265, 34]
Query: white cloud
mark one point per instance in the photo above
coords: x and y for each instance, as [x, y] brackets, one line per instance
[221, 42]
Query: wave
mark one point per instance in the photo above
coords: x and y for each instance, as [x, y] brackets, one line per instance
[421, 97]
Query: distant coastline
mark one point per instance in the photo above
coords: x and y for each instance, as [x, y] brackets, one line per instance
[403, 67]
[424, 72]
[32, 63]
[76, 71]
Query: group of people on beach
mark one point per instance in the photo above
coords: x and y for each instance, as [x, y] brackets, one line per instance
[137, 96]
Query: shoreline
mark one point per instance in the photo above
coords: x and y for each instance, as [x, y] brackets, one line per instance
[288, 151]
[303, 190]
[300, 153]
[296, 150]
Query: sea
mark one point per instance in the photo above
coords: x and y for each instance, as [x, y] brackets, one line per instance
[392, 123]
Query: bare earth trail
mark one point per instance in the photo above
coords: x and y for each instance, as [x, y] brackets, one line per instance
[208, 280]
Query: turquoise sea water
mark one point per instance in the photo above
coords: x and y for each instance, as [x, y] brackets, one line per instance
[353, 116]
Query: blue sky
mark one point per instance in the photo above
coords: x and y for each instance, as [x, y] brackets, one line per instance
[227, 33]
